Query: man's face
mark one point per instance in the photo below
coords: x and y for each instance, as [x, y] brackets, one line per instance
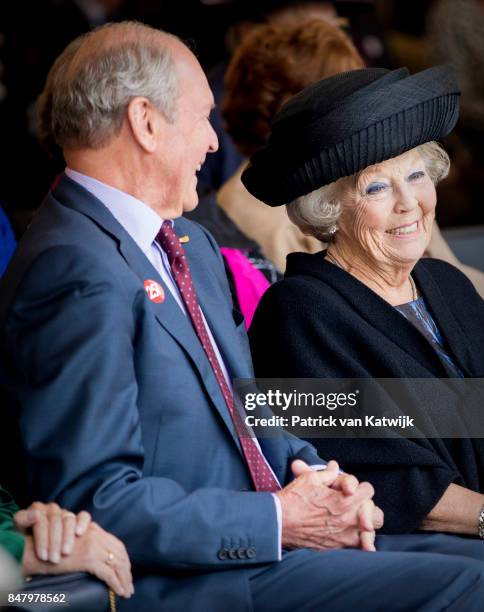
[188, 139]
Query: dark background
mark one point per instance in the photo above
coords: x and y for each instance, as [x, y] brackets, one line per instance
[32, 33]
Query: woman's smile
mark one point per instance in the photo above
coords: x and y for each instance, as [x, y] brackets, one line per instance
[406, 231]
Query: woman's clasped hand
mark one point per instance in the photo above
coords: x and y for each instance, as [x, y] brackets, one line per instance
[58, 541]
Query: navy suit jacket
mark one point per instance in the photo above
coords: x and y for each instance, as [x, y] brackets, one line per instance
[117, 408]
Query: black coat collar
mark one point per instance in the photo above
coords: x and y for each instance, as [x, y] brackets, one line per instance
[383, 317]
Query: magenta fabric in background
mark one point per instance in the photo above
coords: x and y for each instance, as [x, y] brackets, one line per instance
[250, 283]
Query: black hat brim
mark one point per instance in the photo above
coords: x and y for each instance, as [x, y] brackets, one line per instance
[373, 125]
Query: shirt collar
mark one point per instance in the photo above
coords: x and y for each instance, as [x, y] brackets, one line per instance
[140, 221]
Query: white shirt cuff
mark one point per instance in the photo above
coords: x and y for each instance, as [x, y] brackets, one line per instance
[277, 503]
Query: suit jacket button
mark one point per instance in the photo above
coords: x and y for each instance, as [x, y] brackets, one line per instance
[223, 554]
[251, 552]
[232, 553]
[241, 553]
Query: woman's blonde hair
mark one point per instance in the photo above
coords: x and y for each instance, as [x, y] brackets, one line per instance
[317, 213]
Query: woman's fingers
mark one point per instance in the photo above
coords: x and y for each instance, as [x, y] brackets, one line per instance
[69, 522]
[25, 519]
[83, 522]
[121, 562]
[108, 559]
[54, 531]
[108, 574]
[54, 517]
[117, 572]
[40, 533]
[45, 520]
[123, 571]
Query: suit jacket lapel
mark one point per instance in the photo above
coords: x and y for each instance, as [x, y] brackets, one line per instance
[168, 313]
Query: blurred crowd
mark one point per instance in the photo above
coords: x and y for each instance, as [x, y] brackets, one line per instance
[388, 33]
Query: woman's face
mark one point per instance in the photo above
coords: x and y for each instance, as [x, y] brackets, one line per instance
[387, 217]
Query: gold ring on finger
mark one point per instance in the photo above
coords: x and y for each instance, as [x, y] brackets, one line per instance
[68, 515]
[110, 558]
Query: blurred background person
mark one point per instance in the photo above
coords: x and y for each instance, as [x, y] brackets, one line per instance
[241, 16]
[455, 34]
[270, 66]
[274, 62]
[385, 32]
[32, 34]
[444, 31]
[222, 165]
[439, 248]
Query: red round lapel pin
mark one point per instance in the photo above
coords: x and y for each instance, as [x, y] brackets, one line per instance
[154, 291]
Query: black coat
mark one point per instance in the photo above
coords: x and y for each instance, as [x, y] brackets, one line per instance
[321, 322]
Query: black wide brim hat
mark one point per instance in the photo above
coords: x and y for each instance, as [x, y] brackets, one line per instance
[341, 125]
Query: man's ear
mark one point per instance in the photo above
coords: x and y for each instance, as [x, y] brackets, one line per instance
[145, 123]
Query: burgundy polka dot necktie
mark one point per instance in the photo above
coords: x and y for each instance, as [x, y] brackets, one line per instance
[262, 475]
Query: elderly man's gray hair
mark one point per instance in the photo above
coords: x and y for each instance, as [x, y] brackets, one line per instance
[317, 213]
[90, 93]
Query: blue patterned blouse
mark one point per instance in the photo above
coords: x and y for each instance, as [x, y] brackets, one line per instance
[419, 315]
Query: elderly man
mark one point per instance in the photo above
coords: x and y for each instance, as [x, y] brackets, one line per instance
[118, 348]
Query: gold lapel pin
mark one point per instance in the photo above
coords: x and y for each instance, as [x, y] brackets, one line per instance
[184, 239]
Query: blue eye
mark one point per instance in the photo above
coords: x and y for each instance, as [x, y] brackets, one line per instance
[375, 188]
[416, 175]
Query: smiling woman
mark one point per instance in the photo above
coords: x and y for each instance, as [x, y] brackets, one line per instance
[363, 180]
[383, 215]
